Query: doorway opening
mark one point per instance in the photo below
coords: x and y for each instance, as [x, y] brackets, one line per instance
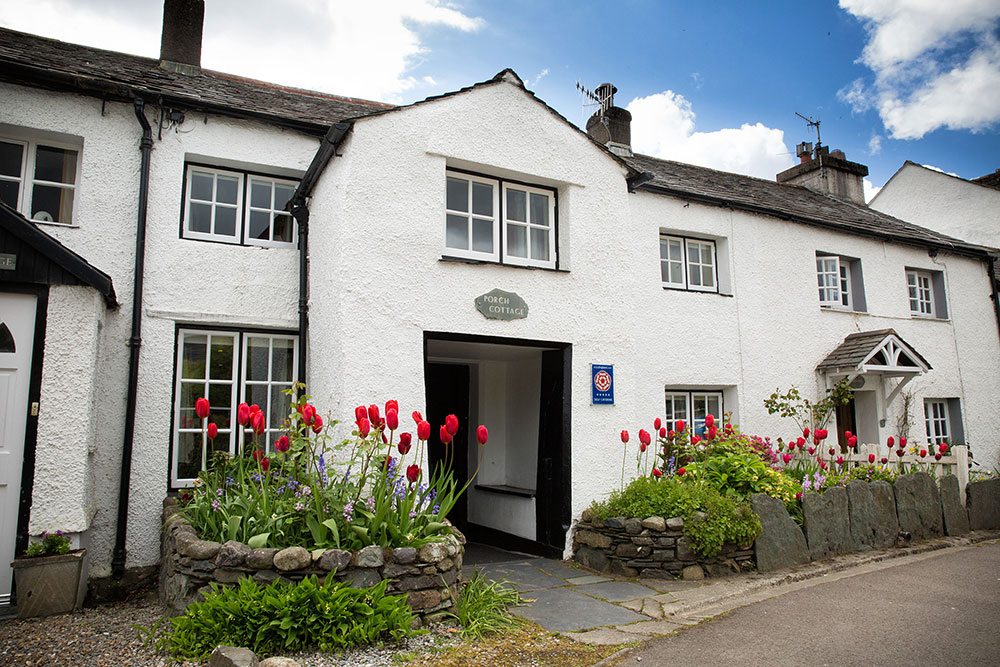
[520, 390]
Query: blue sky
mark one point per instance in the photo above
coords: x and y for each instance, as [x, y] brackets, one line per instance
[714, 83]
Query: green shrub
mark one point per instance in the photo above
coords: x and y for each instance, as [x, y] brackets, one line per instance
[483, 608]
[287, 617]
[710, 518]
[740, 474]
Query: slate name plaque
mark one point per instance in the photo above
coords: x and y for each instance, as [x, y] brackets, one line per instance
[500, 305]
[8, 262]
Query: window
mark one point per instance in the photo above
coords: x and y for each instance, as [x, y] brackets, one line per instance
[238, 207]
[228, 367]
[693, 407]
[839, 282]
[688, 264]
[39, 179]
[926, 293]
[500, 221]
[942, 419]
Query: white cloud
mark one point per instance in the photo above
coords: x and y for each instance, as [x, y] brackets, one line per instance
[663, 125]
[541, 75]
[933, 168]
[349, 48]
[875, 145]
[870, 189]
[935, 64]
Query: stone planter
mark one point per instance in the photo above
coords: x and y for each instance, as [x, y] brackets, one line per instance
[429, 575]
[650, 548]
[48, 585]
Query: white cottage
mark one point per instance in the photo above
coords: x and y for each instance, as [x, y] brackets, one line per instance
[474, 253]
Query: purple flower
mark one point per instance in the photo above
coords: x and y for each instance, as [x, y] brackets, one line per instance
[370, 504]
[348, 512]
[215, 505]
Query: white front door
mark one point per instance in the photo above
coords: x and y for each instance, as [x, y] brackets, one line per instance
[17, 332]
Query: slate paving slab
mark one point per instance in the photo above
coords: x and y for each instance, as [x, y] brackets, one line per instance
[525, 576]
[568, 610]
[588, 579]
[616, 591]
[558, 568]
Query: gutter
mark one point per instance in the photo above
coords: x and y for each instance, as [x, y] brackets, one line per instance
[298, 206]
[135, 343]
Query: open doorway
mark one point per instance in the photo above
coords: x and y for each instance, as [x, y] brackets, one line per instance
[520, 390]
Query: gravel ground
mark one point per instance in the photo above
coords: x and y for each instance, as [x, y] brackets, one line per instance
[104, 637]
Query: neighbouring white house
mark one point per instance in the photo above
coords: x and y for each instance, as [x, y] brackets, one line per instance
[965, 209]
[472, 253]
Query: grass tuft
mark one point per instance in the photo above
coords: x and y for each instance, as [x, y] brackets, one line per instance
[483, 608]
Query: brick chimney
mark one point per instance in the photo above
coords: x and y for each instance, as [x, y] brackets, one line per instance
[828, 172]
[180, 41]
[611, 125]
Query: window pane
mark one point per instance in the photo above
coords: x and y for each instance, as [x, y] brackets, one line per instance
[188, 455]
[200, 217]
[675, 250]
[258, 351]
[539, 210]
[52, 204]
[190, 392]
[457, 232]
[665, 272]
[516, 205]
[707, 276]
[283, 228]
[482, 199]
[11, 156]
[8, 192]
[260, 225]
[482, 235]
[664, 252]
[517, 240]
[539, 244]
[282, 193]
[257, 394]
[282, 359]
[260, 194]
[676, 273]
[225, 221]
[693, 253]
[694, 275]
[280, 407]
[226, 189]
[201, 185]
[458, 194]
[193, 357]
[222, 358]
[57, 165]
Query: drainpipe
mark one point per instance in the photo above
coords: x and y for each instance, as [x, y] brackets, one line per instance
[135, 343]
[298, 206]
[992, 267]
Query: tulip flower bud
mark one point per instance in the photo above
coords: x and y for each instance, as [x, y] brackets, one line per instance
[624, 437]
[832, 451]
[373, 414]
[657, 424]
[405, 442]
[424, 431]
[805, 432]
[663, 431]
[681, 471]
[265, 463]
[644, 437]
[243, 414]
[679, 426]
[281, 444]
[413, 473]
[451, 423]
[364, 427]
[258, 423]
[213, 430]
[884, 460]
[445, 435]
[709, 421]
[392, 419]
[360, 412]
[891, 441]
[201, 408]
[417, 417]
[317, 424]
[308, 414]
[482, 435]
[656, 473]
[871, 458]
[902, 442]
[392, 404]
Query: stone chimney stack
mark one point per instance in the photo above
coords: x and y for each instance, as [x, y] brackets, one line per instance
[828, 172]
[611, 125]
[180, 41]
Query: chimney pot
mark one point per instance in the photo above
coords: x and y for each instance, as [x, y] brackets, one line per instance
[829, 172]
[611, 125]
[180, 41]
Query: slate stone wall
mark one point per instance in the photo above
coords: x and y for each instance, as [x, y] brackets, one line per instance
[650, 548]
[429, 575]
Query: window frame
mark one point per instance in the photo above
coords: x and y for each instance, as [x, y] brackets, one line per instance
[914, 293]
[843, 275]
[689, 396]
[27, 181]
[240, 335]
[937, 436]
[686, 263]
[500, 255]
[242, 237]
[249, 208]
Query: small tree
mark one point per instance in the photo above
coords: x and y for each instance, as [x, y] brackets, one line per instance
[806, 413]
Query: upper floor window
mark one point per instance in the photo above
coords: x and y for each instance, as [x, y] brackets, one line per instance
[926, 293]
[39, 179]
[839, 282]
[688, 264]
[693, 407]
[500, 221]
[238, 207]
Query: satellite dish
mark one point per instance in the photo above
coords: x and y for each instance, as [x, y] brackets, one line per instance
[42, 216]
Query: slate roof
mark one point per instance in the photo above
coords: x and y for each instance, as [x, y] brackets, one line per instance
[857, 346]
[789, 202]
[991, 180]
[26, 58]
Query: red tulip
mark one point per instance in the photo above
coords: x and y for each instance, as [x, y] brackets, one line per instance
[695, 440]
[800, 442]
[392, 419]
[832, 451]
[729, 427]
[786, 458]
[482, 435]
[413, 473]
[265, 463]
[360, 412]
[213, 430]
[853, 441]
[451, 423]
[624, 436]
[899, 453]
[681, 471]
[805, 432]
[243, 414]
[385, 440]
[257, 422]
[891, 441]
[811, 450]
[671, 434]
[317, 424]
[943, 448]
[656, 473]
[817, 439]
[847, 434]
[884, 460]
[308, 413]
[822, 465]
[392, 404]
[709, 421]
[444, 435]
[364, 427]
[201, 407]
[417, 417]
[642, 446]
[644, 437]
[657, 424]
[902, 442]
[821, 433]
[373, 414]
[679, 426]
[257, 455]
[663, 431]
[424, 431]
[923, 453]
[712, 432]
[254, 409]
[282, 444]
[871, 458]
[798, 496]
[937, 457]
[405, 442]
[840, 460]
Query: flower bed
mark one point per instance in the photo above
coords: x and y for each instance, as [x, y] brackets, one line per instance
[428, 575]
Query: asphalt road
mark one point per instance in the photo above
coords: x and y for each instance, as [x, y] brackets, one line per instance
[943, 610]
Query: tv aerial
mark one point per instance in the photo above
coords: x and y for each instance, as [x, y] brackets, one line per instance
[814, 124]
[603, 96]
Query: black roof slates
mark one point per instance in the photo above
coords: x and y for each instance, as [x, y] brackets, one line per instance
[857, 346]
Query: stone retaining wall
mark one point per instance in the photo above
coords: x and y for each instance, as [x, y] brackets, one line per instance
[651, 548]
[429, 575]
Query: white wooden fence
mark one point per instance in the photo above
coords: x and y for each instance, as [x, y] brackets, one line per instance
[956, 462]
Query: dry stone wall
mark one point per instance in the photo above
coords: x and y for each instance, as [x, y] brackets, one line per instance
[429, 576]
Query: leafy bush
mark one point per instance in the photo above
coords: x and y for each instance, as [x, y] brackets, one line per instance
[52, 544]
[483, 608]
[740, 474]
[710, 518]
[871, 473]
[287, 617]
